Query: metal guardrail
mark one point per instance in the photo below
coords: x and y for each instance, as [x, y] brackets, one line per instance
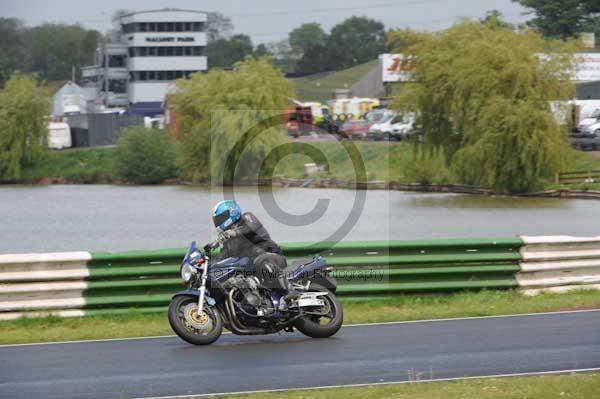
[73, 284]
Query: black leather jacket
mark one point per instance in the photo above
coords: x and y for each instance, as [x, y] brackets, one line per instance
[251, 239]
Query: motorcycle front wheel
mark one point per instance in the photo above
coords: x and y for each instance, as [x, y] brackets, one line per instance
[192, 327]
[326, 321]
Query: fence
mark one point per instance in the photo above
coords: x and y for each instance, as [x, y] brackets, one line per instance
[559, 264]
[589, 176]
[92, 130]
[83, 283]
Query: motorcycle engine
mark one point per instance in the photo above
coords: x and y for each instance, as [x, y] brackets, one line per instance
[250, 296]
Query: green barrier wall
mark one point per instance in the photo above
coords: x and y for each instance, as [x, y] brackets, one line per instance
[148, 279]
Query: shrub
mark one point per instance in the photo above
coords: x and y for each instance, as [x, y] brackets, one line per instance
[146, 156]
[426, 167]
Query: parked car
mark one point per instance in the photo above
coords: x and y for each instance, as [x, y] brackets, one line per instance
[591, 128]
[592, 119]
[586, 141]
[355, 129]
[59, 136]
[382, 130]
[403, 126]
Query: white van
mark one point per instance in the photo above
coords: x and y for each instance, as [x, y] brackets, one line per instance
[59, 136]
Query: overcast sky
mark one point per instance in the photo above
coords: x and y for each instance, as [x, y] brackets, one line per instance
[268, 20]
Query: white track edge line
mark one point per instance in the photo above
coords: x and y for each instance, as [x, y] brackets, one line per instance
[383, 323]
[531, 373]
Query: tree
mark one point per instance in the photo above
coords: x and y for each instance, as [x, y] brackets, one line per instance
[283, 55]
[401, 39]
[218, 26]
[261, 51]
[494, 18]
[224, 53]
[219, 112]
[24, 108]
[355, 41]
[307, 36]
[56, 49]
[561, 18]
[482, 94]
[13, 45]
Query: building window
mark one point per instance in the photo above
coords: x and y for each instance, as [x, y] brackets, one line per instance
[167, 51]
[116, 61]
[163, 27]
[151, 75]
[118, 86]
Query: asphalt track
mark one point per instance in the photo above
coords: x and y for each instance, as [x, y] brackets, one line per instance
[357, 354]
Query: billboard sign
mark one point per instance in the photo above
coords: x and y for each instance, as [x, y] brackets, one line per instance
[392, 68]
[587, 67]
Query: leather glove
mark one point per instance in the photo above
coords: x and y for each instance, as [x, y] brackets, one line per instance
[227, 234]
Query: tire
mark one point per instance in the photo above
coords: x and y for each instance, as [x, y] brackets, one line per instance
[311, 328]
[186, 332]
[387, 137]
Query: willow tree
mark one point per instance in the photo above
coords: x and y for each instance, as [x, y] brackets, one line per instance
[24, 109]
[483, 93]
[231, 120]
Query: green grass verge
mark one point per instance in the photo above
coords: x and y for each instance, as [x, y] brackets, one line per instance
[320, 86]
[77, 165]
[573, 386]
[382, 161]
[407, 307]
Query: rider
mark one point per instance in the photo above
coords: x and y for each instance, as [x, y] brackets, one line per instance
[243, 235]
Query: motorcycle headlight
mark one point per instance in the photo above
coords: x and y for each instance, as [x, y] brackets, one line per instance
[187, 272]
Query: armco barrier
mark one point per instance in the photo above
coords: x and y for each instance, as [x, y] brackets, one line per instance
[559, 264]
[73, 284]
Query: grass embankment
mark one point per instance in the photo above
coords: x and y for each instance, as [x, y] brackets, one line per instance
[77, 165]
[320, 86]
[574, 386]
[382, 161]
[580, 161]
[401, 308]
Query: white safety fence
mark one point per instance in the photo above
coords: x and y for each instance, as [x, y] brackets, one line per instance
[53, 283]
[559, 264]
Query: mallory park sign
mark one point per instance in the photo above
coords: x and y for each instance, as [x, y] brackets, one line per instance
[169, 39]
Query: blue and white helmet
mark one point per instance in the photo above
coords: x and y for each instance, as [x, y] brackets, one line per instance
[226, 213]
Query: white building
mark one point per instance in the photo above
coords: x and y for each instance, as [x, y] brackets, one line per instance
[151, 49]
[72, 99]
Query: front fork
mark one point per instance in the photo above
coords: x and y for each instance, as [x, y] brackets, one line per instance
[202, 295]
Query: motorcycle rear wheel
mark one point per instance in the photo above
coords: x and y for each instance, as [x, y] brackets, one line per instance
[188, 332]
[312, 325]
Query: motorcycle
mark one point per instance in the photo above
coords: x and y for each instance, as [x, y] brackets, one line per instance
[224, 295]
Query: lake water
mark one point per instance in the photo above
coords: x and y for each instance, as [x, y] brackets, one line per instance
[115, 218]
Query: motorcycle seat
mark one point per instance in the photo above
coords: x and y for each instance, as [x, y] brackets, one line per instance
[297, 264]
